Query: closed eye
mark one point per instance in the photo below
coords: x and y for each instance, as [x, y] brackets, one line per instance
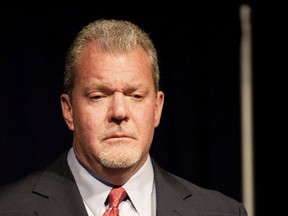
[96, 97]
[137, 97]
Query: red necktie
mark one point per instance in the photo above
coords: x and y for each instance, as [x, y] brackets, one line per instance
[115, 196]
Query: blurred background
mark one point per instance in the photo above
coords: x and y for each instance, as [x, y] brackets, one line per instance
[199, 137]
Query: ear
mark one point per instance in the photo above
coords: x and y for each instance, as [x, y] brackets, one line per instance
[67, 110]
[158, 107]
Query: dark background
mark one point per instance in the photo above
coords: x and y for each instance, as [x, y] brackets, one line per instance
[199, 137]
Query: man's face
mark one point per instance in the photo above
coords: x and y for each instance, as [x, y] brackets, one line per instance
[113, 110]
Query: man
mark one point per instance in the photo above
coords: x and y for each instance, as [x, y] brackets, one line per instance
[113, 104]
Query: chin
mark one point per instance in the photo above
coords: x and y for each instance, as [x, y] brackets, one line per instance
[120, 159]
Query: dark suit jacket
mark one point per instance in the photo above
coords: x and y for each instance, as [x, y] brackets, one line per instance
[53, 191]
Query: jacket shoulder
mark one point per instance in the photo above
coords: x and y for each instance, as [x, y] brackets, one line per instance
[192, 197]
[17, 193]
[23, 191]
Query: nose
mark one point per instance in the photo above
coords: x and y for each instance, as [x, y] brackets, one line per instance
[118, 111]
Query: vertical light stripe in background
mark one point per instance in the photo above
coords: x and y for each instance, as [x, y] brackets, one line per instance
[246, 109]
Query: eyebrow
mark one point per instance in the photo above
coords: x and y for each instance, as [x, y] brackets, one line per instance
[99, 87]
[106, 88]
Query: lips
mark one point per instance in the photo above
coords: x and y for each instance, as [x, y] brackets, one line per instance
[119, 136]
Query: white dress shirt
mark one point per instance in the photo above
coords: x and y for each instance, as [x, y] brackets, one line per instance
[140, 189]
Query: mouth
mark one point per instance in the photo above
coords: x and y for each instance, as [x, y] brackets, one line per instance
[118, 136]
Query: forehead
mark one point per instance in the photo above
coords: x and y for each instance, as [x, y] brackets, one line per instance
[116, 67]
[92, 52]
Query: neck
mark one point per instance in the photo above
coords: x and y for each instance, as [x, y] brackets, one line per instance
[113, 176]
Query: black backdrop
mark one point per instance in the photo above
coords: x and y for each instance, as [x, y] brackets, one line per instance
[199, 137]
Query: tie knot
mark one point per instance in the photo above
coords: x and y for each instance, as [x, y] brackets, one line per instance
[115, 196]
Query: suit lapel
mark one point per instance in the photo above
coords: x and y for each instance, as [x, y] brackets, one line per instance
[170, 194]
[56, 192]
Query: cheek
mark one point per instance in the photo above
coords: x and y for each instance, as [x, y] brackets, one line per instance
[86, 119]
[146, 130]
[145, 119]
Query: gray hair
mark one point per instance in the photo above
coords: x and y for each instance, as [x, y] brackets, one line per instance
[111, 36]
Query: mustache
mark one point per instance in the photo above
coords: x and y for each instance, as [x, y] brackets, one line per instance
[118, 131]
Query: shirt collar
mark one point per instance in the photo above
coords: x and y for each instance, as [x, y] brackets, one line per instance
[140, 187]
[94, 193]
